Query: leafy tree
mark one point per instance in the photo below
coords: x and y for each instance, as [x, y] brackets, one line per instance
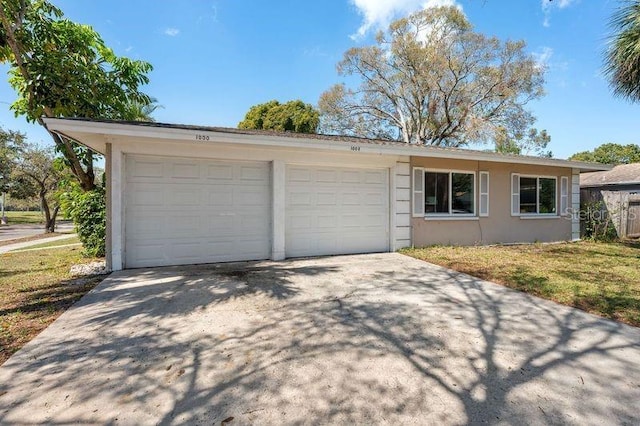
[533, 142]
[63, 69]
[293, 116]
[431, 79]
[37, 174]
[622, 58]
[137, 111]
[11, 144]
[610, 153]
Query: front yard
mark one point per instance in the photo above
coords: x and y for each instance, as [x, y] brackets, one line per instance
[600, 278]
[35, 288]
[19, 217]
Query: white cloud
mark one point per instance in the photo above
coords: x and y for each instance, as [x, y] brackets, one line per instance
[549, 5]
[378, 14]
[543, 56]
[172, 32]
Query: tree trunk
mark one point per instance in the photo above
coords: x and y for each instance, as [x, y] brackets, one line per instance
[45, 209]
[85, 177]
[51, 223]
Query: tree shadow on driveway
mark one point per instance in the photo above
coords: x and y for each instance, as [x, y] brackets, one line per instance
[357, 339]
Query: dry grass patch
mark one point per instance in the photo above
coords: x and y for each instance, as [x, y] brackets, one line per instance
[35, 288]
[601, 278]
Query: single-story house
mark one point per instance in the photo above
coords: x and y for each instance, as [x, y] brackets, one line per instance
[180, 194]
[615, 193]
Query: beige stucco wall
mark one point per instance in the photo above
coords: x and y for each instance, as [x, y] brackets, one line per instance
[499, 226]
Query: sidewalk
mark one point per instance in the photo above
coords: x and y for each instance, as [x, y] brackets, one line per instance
[16, 246]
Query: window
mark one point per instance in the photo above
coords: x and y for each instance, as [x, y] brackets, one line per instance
[533, 195]
[449, 193]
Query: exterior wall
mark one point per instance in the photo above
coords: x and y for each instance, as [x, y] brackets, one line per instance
[401, 194]
[500, 226]
[121, 146]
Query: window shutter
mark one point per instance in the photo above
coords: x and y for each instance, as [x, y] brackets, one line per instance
[418, 192]
[515, 194]
[484, 194]
[564, 195]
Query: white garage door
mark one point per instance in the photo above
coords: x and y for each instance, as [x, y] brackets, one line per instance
[185, 211]
[336, 211]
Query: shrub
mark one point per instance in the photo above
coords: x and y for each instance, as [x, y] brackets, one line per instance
[88, 211]
[597, 223]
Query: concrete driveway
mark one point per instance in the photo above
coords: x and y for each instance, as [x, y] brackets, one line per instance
[377, 338]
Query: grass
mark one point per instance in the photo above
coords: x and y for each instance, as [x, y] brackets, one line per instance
[600, 278]
[42, 236]
[63, 242]
[35, 288]
[14, 218]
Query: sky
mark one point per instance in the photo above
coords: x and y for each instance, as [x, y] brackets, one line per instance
[214, 59]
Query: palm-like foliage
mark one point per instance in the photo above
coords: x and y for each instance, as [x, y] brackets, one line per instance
[622, 60]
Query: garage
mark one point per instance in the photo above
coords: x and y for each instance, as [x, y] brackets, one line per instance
[181, 194]
[186, 211]
[336, 211]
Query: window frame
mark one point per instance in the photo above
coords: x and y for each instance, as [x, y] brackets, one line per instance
[517, 191]
[451, 214]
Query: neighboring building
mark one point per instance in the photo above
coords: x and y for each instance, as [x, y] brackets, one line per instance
[185, 194]
[616, 193]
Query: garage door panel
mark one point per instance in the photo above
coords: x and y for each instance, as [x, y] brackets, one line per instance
[253, 173]
[196, 211]
[326, 199]
[184, 197]
[251, 197]
[189, 171]
[298, 174]
[376, 178]
[220, 172]
[146, 169]
[335, 211]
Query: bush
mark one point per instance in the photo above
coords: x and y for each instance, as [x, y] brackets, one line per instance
[597, 224]
[88, 211]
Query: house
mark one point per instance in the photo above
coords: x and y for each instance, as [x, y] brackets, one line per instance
[615, 193]
[181, 194]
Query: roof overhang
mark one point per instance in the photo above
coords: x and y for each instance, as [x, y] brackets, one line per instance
[608, 184]
[97, 134]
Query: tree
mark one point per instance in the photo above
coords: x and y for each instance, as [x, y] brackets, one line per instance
[63, 69]
[610, 153]
[37, 174]
[11, 145]
[622, 58]
[533, 142]
[431, 79]
[137, 111]
[293, 116]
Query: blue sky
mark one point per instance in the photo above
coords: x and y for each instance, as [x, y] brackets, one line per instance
[213, 59]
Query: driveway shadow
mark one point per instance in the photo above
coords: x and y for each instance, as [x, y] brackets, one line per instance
[357, 339]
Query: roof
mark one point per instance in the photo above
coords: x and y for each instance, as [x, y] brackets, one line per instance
[624, 174]
[92, 134]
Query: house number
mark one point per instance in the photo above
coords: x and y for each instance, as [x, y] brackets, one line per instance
[355, 148]
[202, 137]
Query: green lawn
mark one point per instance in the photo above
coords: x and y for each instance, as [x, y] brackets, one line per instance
[601, 278]
[63, 242]
[35, 288]
[14, 218]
